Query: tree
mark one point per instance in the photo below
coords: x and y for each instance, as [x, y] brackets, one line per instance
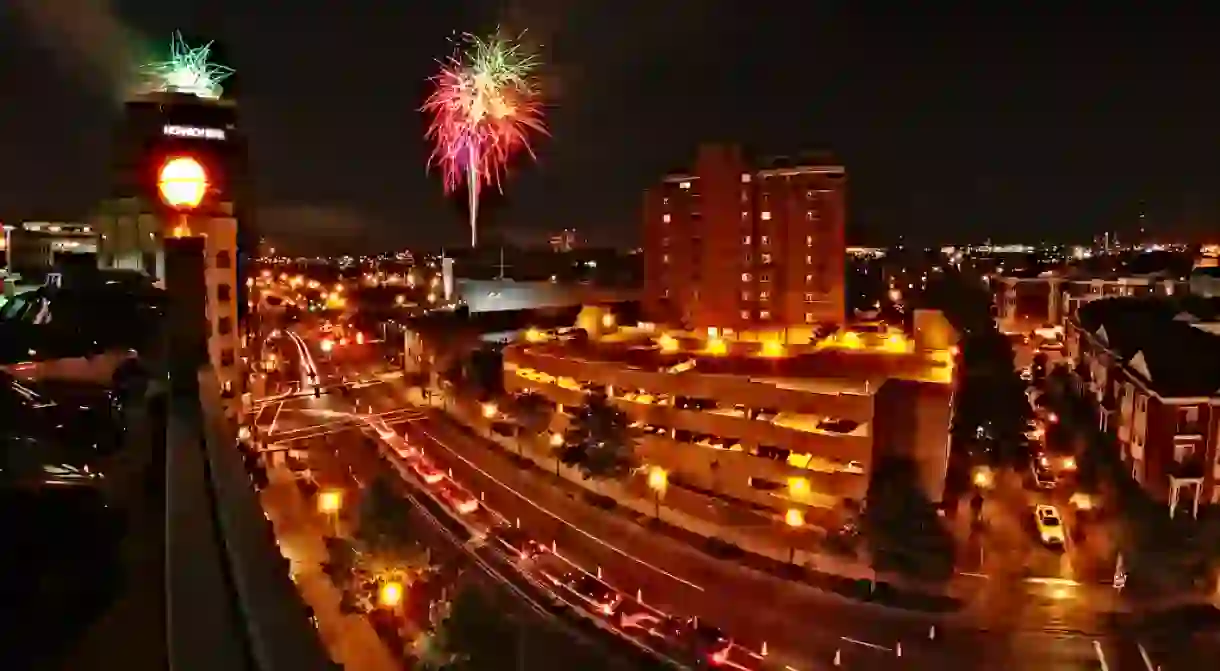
[600, 440]
[383, 536]
[533, 412]
[475, 635]
[901, 526]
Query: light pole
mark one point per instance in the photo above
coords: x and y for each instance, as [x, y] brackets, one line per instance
[330, 502]
[658, 482]
[795, 520]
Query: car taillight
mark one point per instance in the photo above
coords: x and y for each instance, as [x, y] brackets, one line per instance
[719, 657]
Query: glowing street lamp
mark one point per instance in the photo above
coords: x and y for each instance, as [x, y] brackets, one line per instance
[795, 520]
[330, 502]
[658, 482]
[390, 595]
[490, 410]
[328, 345]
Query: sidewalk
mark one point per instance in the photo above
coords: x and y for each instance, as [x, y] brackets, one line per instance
[350, 638]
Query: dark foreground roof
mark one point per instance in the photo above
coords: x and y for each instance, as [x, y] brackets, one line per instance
[1160, 339]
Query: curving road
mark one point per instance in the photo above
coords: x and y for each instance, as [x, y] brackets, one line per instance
[802, 628]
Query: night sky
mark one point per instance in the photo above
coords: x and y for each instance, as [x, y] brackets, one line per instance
[953, 128]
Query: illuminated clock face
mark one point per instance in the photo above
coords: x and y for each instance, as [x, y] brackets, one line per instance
[183, 182]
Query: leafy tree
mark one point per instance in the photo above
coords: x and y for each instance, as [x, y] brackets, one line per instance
[600, 440]
[533, 412]
[901, 527]
[475, 635]
[383, 536]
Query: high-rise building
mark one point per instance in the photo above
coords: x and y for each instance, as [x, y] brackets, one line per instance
[138, 231]
[746, 246]
[156, 125]
[563, 241]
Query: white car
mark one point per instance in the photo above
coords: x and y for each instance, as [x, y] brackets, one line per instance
[1050, 525]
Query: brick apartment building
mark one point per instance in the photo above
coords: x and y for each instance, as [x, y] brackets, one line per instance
[742, 246]
[1152, 367]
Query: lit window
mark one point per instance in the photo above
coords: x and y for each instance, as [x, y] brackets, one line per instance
[808, 216]
[745, 178]
[809, 194]
[665, 293]
[766, 216]
[809, 260]
[745, 314]
[764, 314]
[764, 278]
[765, 239]
[664, 242]
[665, 218]
[766, 258]
[744, 215]
[808, 240]
[745, 295]
[808, 278]
[746, 277]
[808, 298]
[684, 185]
[665, 258]
[665, 200]
[808, 317]
[763, 295]
[746, 240]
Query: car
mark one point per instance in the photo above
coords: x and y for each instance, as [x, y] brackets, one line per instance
[457, 498]
[836, 425]
[1043, 477]
[426, 471]
[1050, 525]
[708, 642]
[595, 594]
[518, 543]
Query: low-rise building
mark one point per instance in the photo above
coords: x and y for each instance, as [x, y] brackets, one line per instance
[1152, 367]
[761, 421]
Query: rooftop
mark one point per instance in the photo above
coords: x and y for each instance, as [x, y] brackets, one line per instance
[845, 362]
[1169, 342]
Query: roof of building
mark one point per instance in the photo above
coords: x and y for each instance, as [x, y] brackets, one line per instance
[1169, 342]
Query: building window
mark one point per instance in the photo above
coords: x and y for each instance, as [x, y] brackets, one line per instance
[224, 325]
[746, 277]
[226, 358]
[764, 239]
[809, 260]
[766, 258]
[224, 293]
[808, 240]
[664, 242]
[809, 194]
[808, 279]
[808, 317]
[764, 314]
[665, 218]
[745, 178]
[746, 240]
[808, 215]
[745, 314]
[684, 185]
[665, 258]
[223, 260]
[763, 295]
[665, 200]
[747, 258]
[226, 389]
[766, 215]
[745, 295]
[808, 297]
[1188, 421]
[764, 278]
[745, 215]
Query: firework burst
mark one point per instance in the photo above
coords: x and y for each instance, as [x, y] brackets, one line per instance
[484, 106]
[188, 70]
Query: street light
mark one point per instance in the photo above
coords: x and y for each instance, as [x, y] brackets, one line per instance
[330, 502]
[658, 482]
[390, 595]
[795, 519]
[328, 345]
[490, 410]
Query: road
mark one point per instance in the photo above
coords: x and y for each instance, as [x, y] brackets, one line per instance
[345, 459]
[803, 628]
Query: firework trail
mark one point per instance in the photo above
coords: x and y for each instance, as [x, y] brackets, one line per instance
[484, 107]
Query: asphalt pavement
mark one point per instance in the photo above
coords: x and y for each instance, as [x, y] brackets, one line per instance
[802, 627]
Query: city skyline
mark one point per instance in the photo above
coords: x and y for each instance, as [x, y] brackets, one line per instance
[953, 130]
